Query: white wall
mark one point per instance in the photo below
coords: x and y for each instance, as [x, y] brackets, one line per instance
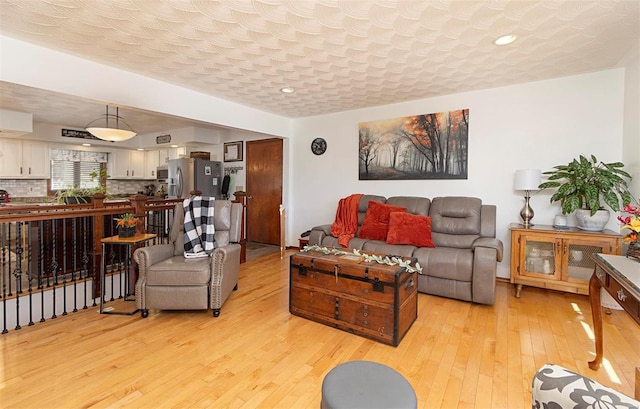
[631, 129]
[533, 125]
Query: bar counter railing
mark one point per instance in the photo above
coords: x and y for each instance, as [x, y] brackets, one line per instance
[50, 255]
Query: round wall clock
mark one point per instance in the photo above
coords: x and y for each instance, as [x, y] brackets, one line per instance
[318, 146]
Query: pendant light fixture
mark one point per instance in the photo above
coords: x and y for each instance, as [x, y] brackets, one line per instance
[109, 133]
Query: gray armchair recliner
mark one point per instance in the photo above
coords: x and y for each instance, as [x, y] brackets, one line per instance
[169, 281]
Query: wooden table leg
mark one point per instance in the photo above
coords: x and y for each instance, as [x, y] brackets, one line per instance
[518, 289]
[596, 313]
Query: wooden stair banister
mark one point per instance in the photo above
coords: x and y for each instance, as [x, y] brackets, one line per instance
[241, 197]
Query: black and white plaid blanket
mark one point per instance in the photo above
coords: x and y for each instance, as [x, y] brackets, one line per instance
[199, 237]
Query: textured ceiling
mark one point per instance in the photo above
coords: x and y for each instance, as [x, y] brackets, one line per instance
[55, 108]
[338, 55]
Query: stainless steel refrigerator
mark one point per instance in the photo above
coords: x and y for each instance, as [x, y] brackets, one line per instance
[189, 174]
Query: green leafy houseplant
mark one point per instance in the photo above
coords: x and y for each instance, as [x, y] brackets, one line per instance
[583, 183]
[83, 195]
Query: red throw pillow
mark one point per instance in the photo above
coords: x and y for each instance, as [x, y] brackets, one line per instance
[376, 220]
[407, 228]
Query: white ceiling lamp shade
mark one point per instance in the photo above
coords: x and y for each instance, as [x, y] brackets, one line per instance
[108, 133]
[505, 39]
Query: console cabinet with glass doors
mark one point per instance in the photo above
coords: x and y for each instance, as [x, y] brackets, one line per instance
[545, 257]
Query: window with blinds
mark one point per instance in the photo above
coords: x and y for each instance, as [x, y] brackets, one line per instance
[72, 169]
[67, 175]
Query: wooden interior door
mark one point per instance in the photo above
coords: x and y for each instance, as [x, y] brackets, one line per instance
[264, 190]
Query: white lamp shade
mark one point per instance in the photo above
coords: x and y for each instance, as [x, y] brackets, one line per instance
[108, 133]
[111, 134]
[527, 179]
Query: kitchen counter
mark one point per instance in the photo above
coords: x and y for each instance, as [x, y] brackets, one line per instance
[53, 201]
[49, 200]
[32, 200]
[16, 204]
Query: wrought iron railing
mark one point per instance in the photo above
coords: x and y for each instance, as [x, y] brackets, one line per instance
[50, 255]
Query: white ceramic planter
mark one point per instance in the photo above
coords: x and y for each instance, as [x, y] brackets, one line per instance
[585, 221]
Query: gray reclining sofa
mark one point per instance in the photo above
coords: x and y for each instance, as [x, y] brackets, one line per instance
[464, 261]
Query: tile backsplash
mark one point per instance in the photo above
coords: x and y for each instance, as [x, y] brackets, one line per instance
[38, 187]
[24, 187]
[129, 187]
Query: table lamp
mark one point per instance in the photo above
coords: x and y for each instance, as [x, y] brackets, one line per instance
[527, 180]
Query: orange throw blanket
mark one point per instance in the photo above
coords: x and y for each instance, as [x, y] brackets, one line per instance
[346, 223]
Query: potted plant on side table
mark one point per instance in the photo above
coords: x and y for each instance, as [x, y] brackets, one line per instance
[126, 225]
[583, 184]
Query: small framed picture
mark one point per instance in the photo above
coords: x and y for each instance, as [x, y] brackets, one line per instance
[233, 151]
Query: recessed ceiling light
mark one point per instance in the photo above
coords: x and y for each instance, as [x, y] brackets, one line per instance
[86, 144]
[506, 39]
[287, 90]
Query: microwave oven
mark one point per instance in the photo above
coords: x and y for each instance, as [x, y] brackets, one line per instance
[162, 174]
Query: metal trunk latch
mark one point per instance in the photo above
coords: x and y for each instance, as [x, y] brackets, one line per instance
[302, 270]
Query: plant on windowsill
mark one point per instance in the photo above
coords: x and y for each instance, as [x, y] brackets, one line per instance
[583, 184]
[126, 225]
[84, 195]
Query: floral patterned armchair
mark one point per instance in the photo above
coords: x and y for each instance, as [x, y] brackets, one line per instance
[555, 387]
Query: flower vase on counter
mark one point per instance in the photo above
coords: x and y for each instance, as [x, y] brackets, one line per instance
[634, 250]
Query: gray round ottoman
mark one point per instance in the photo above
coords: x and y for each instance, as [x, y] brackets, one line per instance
[365, 384]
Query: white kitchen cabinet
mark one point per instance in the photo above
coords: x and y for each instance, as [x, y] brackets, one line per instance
[119, 163]
[10, 158]
[163, 156]
[35, 159]
[137, 164]
[24, 159]
[166, 154]
[171, 153]
[127, 165]
[152, 160]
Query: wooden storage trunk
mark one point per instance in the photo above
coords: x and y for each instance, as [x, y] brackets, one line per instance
[373, 300]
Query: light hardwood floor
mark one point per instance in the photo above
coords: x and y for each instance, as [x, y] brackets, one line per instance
[257, 355]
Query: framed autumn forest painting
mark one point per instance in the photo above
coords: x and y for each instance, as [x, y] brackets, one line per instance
[428, 146]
